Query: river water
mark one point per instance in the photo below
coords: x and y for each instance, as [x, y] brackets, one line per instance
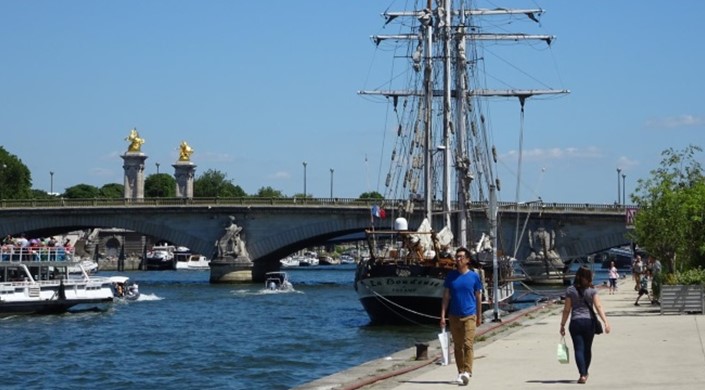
[186, 333]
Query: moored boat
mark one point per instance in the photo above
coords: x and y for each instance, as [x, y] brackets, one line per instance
[193, 262]
[443, 142]
[39, 282]
[160, 258]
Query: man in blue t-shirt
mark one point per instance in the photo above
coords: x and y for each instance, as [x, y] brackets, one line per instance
[462, 301]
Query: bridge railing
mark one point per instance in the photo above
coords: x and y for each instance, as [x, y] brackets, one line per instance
[298, 202]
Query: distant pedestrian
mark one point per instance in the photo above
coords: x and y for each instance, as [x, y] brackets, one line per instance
[637, 270]
[613, 275]
[462, 301]
[579, 298]
[643, 287]
[655, 280]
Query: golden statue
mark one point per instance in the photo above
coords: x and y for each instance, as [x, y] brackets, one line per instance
[185, 152]
[135, 141]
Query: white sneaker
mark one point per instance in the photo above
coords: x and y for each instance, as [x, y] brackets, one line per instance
[460, 380]
[465, 378]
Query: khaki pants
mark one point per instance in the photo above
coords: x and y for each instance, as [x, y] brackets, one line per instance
[462, 329]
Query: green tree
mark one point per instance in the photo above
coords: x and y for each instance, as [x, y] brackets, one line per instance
[112, 190]
[214, 183]
[371, 195]
[40, 194]
[160, 185]
[15, 177]
[82, 191]
[670, 223]
[269, 192]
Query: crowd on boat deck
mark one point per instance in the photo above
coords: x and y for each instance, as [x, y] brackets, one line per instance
[22, 245]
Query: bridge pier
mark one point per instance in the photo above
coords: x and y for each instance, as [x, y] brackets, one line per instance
[229, 270]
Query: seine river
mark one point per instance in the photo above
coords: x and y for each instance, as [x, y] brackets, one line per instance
[185, 333]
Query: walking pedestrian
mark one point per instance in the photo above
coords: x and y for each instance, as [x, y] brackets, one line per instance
[637, 270]
[613, 275]
[580, 298]
[462, 302]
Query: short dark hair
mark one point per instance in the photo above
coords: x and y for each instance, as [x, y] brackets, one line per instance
[465, 251]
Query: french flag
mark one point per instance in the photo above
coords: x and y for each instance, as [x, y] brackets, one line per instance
[378, 212]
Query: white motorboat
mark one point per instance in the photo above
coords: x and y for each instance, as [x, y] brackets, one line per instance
[124, 288]
[161, 257]
[192, 262]
[289, 262]
[37, 281]
[277, 281]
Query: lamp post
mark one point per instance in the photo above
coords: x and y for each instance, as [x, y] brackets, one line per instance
[157, 164]
[51, 183]
[624, 190]
[305, 179]
[619, 192]
[331, 183]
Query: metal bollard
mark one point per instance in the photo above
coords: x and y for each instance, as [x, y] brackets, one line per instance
[421, 351]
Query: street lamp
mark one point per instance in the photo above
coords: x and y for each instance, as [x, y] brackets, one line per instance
[51, 183]
[619, 192]
[624, 190]
[305, 179]
[331, 183]
[157, 164]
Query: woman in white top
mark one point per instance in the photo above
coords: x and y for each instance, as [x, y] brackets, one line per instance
[613, 275]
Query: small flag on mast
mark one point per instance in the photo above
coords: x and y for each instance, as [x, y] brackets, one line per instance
[378, 212]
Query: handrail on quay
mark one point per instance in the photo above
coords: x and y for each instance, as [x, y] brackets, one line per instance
[295, 202]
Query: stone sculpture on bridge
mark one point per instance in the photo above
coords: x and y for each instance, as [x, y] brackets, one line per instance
[231, 245]
[135, 141]
[543, 245]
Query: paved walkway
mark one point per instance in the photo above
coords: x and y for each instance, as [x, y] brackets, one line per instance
[645, 350]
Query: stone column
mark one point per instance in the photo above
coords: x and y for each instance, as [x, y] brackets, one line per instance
[184, 171]
[134, 174]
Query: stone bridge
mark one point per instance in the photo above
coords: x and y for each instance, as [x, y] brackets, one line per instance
[274, 228]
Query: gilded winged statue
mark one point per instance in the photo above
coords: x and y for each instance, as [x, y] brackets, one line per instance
[135, 141]
[185, 151]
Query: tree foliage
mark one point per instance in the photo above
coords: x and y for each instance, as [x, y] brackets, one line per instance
[160, 185]
[82, 191]
[214, 183]
[269, 192]
[371, 195]
[15, 177]
[112, 190]
[670, 223]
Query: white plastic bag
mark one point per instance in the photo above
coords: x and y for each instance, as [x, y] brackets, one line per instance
[562, 352]
[443, 338]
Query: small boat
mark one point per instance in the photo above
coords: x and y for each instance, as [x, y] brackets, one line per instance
[347, 259]
[192, 262]
[90, 266]
[277, 281]
[124, 288]
[289, 262]
[161, 257]
[39, 282]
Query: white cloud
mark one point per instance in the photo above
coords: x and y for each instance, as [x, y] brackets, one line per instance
[675, 121]
[538, 154]
[280, 175]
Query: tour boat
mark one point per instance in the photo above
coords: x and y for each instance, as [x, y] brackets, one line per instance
[38, 281]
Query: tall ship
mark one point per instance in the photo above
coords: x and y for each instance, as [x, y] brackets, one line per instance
[442, 169]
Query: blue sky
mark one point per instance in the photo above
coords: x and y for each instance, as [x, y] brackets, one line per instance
[257, 88]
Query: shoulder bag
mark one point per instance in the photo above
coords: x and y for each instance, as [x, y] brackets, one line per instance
[596, 324]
